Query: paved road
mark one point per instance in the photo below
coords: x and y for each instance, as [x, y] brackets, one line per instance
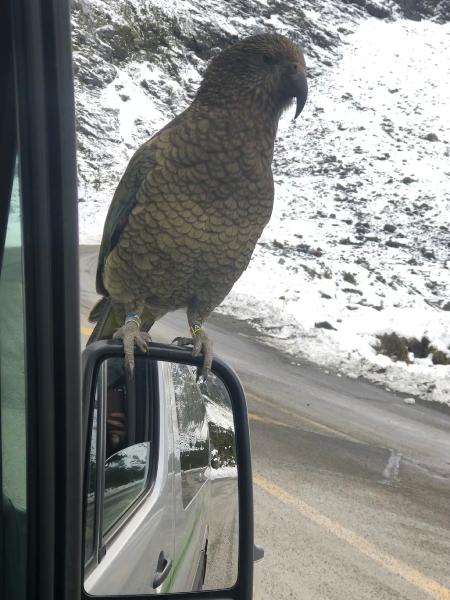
[352, 486]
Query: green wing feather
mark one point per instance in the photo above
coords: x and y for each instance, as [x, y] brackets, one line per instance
[124, 199]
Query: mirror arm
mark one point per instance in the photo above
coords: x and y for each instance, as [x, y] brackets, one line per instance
[258, 553]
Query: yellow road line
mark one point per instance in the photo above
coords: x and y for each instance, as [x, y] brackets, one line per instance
[397, 567]
[268, 420]
[86, 330]
[307, 420]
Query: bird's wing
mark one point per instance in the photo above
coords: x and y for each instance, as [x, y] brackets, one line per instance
[125, 197]
[122, 204]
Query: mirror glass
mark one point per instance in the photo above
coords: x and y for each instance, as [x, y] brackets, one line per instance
[161, 501]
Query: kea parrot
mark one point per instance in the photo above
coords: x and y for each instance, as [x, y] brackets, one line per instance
[195, 198]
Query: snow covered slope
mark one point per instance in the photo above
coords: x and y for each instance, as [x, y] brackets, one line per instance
[358, 244]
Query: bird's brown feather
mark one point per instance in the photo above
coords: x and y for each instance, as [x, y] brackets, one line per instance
[195, 198]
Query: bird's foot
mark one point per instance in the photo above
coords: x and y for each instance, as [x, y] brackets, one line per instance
[200, 343]
[131, 336]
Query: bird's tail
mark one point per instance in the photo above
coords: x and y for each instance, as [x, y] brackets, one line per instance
[106, 323]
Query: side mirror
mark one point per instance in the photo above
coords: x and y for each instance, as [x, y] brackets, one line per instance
[168, 506]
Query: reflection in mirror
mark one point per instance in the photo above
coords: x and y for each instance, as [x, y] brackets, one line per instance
[224, 522]
[162, 495]
[125, 480]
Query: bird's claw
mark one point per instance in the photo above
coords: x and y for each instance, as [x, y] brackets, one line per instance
[183, 342]
[200, 343]
[131, 336]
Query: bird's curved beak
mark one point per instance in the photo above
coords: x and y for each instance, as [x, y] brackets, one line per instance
[295, 85]
[299, 88]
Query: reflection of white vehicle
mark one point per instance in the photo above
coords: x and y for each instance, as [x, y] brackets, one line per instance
[147, 517]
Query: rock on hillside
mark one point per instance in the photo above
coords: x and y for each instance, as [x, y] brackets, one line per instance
[439, 10]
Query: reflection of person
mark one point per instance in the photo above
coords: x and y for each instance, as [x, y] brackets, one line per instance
[116, 421]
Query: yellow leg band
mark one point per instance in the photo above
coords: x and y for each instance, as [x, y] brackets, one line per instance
[196, 329]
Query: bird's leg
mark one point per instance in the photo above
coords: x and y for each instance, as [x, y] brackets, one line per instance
[201, 344]
[130, 334]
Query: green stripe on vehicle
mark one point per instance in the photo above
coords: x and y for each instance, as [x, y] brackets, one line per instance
[166, 586]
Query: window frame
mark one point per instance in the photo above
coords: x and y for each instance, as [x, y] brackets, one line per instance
[103, 539]
[43, 86]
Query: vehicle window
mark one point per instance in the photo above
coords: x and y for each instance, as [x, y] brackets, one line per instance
[193, 437]
[125, 480]
[13, 406]
[122, 432]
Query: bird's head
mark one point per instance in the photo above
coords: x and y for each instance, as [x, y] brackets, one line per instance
[264, 72]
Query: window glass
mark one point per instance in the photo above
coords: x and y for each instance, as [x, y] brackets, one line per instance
[125, 480]
[12, 397]
[193, 439]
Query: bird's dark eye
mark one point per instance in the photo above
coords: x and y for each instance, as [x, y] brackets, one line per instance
[269, 60]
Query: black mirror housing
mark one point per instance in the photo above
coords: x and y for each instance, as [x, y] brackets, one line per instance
[92, 357]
